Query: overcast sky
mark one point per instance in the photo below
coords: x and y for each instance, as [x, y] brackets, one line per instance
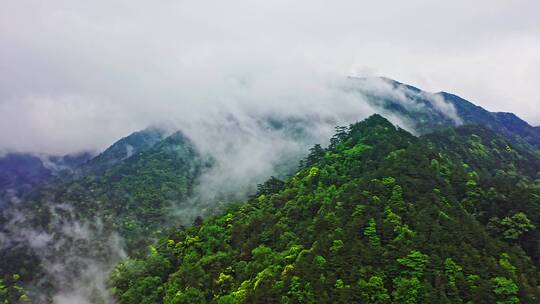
[79, 74]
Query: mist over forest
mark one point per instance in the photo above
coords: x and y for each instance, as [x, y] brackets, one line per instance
[269, 152]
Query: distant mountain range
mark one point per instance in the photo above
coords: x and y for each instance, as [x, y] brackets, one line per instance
[21, 172]
[427, 112]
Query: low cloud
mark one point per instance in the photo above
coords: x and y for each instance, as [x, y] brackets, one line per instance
[77, 76]
[80, 75]
[75, 256]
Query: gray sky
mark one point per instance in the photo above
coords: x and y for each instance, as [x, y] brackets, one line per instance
[79, 74]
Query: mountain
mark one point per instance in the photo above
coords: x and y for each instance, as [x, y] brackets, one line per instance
[123, 149]
[21, 172]
[75, 222]
[380, 216]
[475, 167]
[506, 123]
[138, 196]
[427, 112]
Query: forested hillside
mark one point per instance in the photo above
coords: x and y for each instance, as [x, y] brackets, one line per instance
[122, 149]
[20, 173]
[380, 216]
[76, 223]
[449, 214]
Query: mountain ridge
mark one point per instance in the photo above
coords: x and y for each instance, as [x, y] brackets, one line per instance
[133, 194]
[380, 216]
[469, 113]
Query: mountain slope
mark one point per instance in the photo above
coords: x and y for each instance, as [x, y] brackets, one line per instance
[123, 149]
[428, 112]
[380, 216]
[506, 123]
[70, 232]
[22, 172]
[135, 194]
[76, 223]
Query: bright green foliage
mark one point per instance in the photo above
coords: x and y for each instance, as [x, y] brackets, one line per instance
[340, 284]
[402, 232]
[300, 292]
[452, 271]
[314, 171]
[357, 150]
[476, 147]
[406, 290]
[516, 225]
[378, 226]
[371, 233]
[504, 262]
[337, 245]
[414, 264]
[320, 261]
[389, 181]
[188, 296]
[373, 291]
[506, 290]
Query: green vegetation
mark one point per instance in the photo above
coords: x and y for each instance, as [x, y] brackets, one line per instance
[135, 199]
[12, 292]
[380, 216]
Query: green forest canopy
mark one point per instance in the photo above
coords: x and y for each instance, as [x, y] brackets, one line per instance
[380, 216]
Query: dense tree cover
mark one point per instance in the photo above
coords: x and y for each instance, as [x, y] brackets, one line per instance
[122, 149]
[134, 199]
[137, 197]
[380, 216]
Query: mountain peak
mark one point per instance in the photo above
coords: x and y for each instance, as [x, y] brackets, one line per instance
[376, 120]
[125, 148]
[427, 112]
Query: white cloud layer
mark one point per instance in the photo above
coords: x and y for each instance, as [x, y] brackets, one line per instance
[80, 74]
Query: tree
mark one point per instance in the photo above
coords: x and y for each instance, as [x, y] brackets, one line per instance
[316, 153]
[515, 226]
[371, 233]
[373, 291]
[506, 290]
[341, 133]
[452, 271]
[271, 186]
[415, 263]
[406, 290]
[188, 296]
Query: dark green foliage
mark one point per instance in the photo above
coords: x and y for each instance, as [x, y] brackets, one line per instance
[378, 217]
[134, 198]
[271, 186]
[122, 149]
